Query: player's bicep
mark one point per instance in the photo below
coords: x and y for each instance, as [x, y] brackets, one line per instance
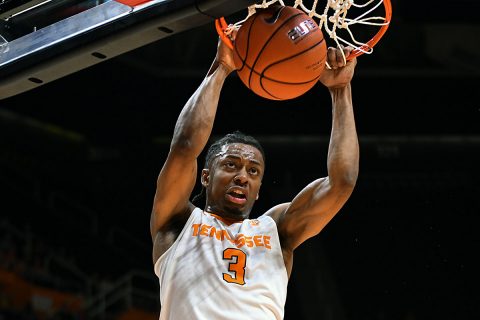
[311, 210]
[174, 186]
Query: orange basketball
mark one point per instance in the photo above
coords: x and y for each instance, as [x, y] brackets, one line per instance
[279, 52]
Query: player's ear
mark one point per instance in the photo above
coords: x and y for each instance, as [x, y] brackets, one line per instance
[258, 194]
[205, 177]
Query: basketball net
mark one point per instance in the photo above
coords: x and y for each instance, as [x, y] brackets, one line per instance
[332, 19]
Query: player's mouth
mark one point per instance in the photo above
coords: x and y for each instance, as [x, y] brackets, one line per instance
[237, 196]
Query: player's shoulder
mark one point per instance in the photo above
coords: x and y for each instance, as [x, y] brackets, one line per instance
[277, 212]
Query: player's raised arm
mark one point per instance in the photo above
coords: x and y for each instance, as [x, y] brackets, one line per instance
[317, 203]
[192, 131]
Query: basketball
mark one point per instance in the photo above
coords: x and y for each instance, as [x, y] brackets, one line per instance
[279, 52]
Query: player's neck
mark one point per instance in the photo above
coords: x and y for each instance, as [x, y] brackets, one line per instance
[225, 215]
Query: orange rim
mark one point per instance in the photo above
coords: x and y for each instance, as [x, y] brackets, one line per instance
[132, 3]
[221, 26]
[370, 44]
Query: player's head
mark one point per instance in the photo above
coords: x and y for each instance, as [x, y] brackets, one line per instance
[232, 174]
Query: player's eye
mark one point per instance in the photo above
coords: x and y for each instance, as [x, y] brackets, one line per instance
[230, 164]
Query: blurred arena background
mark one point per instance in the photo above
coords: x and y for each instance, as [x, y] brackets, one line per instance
[79, 159]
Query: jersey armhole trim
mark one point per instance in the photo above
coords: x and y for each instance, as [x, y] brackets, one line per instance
[191, 217]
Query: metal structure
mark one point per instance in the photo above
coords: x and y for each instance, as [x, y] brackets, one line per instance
[41, 41]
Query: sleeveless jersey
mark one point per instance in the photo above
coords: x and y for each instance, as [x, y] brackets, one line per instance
[219, 271]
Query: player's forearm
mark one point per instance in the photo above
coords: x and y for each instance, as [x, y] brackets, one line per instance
[343, 153]
[195, 122]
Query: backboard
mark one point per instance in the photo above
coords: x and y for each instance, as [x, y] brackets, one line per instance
[44, 40]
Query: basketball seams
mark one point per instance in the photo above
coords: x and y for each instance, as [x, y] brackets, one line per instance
[289, 83]
[262, 74]
[261, 78]
[244, 59]
[273, 67]
[280, 81]
[259, 54]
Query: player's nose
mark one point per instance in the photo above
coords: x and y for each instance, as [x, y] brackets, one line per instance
[241, 178]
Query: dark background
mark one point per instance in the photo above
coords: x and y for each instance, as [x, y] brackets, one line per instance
[80, 156]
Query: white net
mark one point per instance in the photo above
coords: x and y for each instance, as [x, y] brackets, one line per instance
[334, 17]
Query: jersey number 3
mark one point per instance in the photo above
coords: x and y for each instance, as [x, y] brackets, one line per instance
[238, 259]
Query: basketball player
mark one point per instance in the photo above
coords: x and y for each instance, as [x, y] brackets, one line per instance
[214, 262]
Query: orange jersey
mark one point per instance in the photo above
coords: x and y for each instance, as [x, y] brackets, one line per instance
[220, 270]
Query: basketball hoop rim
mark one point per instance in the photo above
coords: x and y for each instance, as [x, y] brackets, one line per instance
[372, 42]
[221, 25]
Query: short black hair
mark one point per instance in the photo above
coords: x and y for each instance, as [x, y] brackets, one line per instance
[234, 137]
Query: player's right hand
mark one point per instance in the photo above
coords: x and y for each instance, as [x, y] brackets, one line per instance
[225, 54]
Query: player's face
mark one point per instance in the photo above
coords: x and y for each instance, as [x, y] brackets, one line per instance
[234, 180]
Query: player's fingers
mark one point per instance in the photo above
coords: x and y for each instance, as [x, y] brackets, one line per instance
[232, 33]
[332, 57]
[347, 51]
[339, 56]
[353, 61]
